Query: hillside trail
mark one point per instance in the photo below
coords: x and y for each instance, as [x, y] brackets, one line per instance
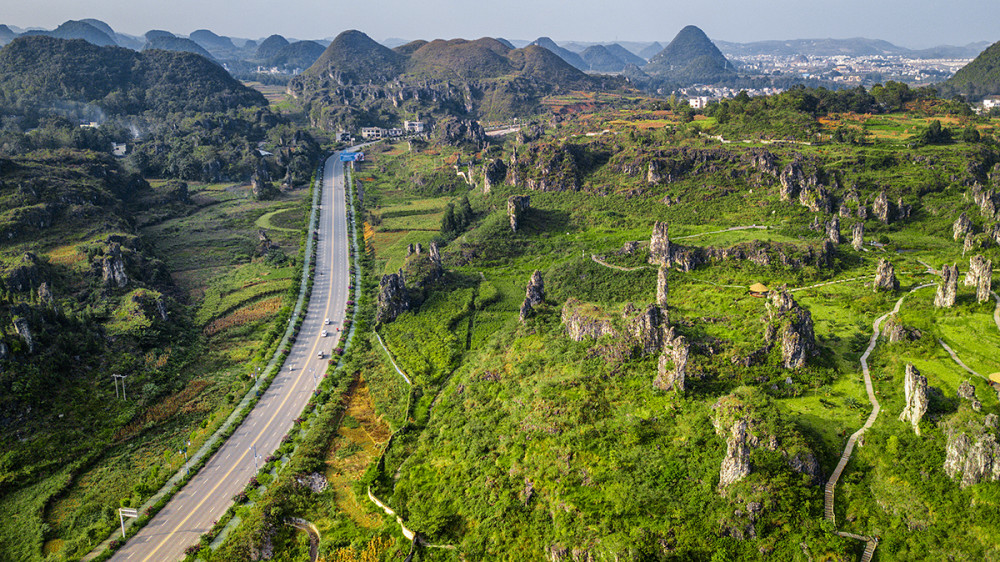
[410, 535]
[831, 484]
[954, 357]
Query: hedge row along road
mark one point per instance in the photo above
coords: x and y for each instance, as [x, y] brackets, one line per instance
[207, 496]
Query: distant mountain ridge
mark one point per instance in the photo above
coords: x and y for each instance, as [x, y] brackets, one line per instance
[565, 54]
[177, 44]
[855, 46]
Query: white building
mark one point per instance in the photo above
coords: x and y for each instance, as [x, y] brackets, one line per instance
[989, 102]
[413, 126]
[372, 133]
[119, 148]
[699, 102]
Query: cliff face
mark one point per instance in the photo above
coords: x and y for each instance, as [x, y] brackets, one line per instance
[584, 320]
[798, 341]
[915, 390]
[517, 205]
[393, 298]
[645, 328]
[980, 276]
[883, 209]
[749, 421]
[948, 287]
[534, 295]
[662, 288]
[494, 173]
[659, 244]
[972, 453]
[962, 227]
[858, 236]
[673, 363]
[885, 277]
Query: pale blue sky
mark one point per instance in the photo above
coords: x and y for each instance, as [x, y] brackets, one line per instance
[909, 23]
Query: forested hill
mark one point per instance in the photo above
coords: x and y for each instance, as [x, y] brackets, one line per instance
[37, 73]
[979, 78]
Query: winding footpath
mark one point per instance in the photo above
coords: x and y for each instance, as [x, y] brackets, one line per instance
[954, 357]
[831, 484]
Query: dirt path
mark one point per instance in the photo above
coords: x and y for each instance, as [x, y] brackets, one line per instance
[309, 528]
[996, 311]
[391, 360]
[730, 229]
[831, 484]
[961, 364]
[830, 283]
[599, 261]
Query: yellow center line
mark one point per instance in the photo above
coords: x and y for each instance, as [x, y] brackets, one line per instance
[262, 431]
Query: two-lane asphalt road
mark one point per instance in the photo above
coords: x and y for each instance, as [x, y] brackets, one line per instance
[207, 496]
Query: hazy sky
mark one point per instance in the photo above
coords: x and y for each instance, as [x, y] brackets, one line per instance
[909, 23]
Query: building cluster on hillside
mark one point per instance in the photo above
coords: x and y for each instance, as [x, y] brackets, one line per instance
[376, 133]
[699, 96]
[854, 70]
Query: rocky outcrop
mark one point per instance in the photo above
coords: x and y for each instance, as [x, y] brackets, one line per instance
[962, 227]
[948, 287]
[980, 276]
[894, 331]
[23, 329]
[435, 254]
[972, 453]
[795, 324]
[833, 230]
[264, 243]
[534, 295]
[742, 418]
[646, 329]
[816, 198]
[987, 201]
[915, 390]
[517, 205]
[314, 481]
[791, 180]
[551, 166]
[456, 131]
[653, 174]
[736, 464]
[885, 277]
[967, 391]
[45, 293]
[113, 267]
[662, 287]
[659, 244]
[25, 275]
[672, 368]
[763, 161]
[494, 173]
[584, 320]
[858, 236]
[393, 298]
[882, 208]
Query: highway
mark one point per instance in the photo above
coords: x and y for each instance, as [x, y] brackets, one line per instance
[193, 510]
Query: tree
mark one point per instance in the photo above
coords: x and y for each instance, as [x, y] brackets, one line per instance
[970, 134]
